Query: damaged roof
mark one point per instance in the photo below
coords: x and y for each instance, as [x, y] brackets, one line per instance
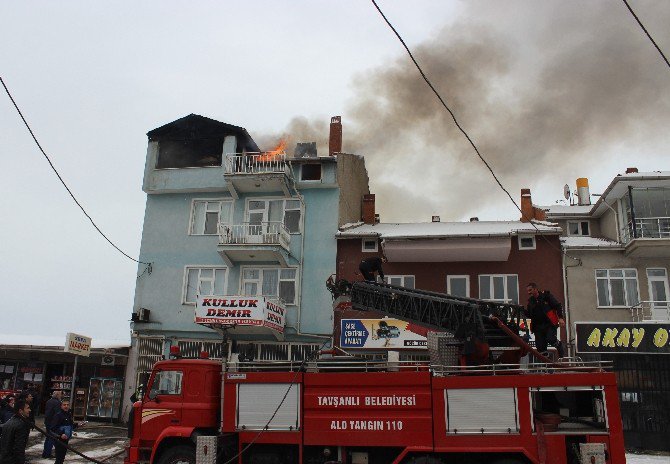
[196, 127]
[449, 229]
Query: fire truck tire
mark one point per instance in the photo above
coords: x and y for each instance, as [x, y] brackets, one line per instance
[178, 455]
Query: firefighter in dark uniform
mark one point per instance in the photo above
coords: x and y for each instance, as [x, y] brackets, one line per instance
[369, 266]
[546, 315]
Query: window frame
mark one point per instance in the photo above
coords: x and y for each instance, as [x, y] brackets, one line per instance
[192, 221]
[319, 180]
[523, 236]
[467, 283]
[580, 229]
[187, 268]
[167, 371]
[365, 250]
[296, 279]
[609, 287]
[284, 200]
[402, 277]
[506, 276]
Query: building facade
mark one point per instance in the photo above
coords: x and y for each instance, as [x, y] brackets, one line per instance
[489, 260]
[224, 219]
[616, 255]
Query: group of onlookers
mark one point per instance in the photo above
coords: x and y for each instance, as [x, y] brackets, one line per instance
[17, 418]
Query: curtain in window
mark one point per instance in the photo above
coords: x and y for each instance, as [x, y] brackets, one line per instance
[199, 217]
[270, 282]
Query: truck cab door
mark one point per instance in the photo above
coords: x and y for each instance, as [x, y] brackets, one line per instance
[163, 405]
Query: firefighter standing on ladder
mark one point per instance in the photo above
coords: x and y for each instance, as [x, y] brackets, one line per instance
[546, 315]
[369, 266]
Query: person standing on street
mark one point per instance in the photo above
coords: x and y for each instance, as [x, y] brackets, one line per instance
[7, 408]
[62, 427]
[546, 315]
[15, 434]
[369, 266]
[50, 410]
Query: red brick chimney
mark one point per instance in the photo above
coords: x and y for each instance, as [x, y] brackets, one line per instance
[528, 211]
[368, 215]
[631, 170]
[335, 140]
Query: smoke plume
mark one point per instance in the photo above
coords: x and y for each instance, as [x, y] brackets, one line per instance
[549, 91]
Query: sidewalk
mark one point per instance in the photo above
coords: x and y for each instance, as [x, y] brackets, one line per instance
[97, 440]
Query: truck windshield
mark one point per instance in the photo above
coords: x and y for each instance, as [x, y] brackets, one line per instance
[167, 383]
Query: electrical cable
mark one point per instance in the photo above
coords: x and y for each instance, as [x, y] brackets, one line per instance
[63, 182]
[458, 125]
[646, 32]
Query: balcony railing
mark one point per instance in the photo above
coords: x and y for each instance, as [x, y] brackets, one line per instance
[265, 233]
[256, 163]
[651, 311]
[650, 227]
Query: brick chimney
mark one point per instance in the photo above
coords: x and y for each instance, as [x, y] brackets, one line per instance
[335, 140]
[368, 216]
[528, 211]
[631, 170]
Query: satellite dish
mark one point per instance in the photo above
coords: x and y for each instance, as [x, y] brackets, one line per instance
[566, 191]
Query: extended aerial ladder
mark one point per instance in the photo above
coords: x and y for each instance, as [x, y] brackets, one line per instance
[481, 327]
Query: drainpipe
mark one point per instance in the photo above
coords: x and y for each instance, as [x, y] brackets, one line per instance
[568, 322]
[632, 210]
[616, 220]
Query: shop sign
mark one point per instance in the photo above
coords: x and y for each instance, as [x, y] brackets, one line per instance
[623, 337]
[78, 344]
[389, 334]
[241, 310]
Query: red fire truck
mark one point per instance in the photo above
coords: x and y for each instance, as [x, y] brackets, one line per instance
[353, 411]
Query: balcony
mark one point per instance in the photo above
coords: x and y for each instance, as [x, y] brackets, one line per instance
[648, 311]
[647, 237]
[246, 242]
[257, 172]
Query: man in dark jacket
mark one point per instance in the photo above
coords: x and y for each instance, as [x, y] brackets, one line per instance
[7, 408]
[50, 410]
[540, 304]
[62, 427]
[15, 435]
[369, 266]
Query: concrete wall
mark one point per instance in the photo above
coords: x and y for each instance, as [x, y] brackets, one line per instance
[608, 225]
[542, 266]
[353, 179]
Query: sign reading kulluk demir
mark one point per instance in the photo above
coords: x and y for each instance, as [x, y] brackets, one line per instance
[78, 344]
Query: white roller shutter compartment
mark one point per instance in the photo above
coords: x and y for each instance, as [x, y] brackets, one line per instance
[481, 410]
[256, 402]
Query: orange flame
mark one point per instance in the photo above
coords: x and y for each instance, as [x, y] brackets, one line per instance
[276, 151]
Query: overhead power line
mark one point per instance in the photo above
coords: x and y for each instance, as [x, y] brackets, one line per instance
[646, 32]
[453, 116]
[64, 184]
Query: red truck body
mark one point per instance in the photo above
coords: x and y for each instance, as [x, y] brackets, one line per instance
[406, 414]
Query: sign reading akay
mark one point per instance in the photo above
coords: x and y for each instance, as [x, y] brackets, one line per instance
[381, 333]
[240, 310]
[623, 337]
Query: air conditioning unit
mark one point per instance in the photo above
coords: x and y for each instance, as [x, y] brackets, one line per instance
[142, 315]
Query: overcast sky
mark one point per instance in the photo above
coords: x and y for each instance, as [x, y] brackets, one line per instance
[551, 91]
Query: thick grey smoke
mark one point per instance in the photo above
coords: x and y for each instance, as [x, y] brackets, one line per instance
[547, 90]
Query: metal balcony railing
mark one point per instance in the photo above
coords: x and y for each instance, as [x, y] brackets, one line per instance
[651, 311]
[265, 233]
[650, 227]
[256, 163]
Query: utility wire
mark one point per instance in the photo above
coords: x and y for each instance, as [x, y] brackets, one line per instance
[453, 116]
[64, 184]
[646, 32]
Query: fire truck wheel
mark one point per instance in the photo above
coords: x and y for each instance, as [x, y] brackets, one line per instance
[178, 455]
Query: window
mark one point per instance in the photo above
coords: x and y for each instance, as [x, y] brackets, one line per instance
[616, 287]
[369, 245]
[406, 281]
[206, 215]
[458, 285]
[203, 281]
[263, 211]
[499, 287]
[526, 242]
[167, 383]
[311, 171]
[272, 282]
[189, 153]
[578, 228]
